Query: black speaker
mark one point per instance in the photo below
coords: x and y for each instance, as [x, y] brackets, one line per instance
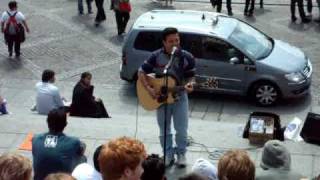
[310, 130]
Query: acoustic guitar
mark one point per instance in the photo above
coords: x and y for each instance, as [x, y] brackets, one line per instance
[165, 95]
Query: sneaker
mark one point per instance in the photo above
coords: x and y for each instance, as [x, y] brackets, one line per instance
[33, 108]
[293, 19]
[10, 54]
[182, 161]
[230, 13]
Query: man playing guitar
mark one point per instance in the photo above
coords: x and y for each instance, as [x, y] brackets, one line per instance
[182, 70]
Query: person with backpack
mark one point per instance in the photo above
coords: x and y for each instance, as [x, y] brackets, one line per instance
[122, 9]
[12, 25]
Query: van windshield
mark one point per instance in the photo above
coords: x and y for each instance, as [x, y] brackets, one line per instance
[251, 41]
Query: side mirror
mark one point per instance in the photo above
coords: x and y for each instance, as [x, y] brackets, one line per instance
[234, 60]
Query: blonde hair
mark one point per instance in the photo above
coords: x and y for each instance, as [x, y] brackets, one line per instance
[14, 166]
[59, 176]
[119, 154]
[236, 165]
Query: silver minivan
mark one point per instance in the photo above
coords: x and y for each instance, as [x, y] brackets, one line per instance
[232, 57]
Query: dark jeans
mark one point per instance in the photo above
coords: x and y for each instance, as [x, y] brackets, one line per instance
[80, 6]
[261, 3]
[122, 19]
[251, 2]
[309, 6]
[12, 40]
[101, 16]
[219, 5]
[300, 7]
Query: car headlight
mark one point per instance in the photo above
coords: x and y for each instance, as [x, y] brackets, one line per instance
[295, 77]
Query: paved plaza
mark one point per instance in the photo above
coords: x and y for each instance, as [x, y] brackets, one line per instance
[70, 44]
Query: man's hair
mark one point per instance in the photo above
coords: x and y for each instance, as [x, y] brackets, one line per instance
[168, 31]
[85, 74]
[153, 168]
[47, 75]
[57, 120]
[192, 176]
[236, 164]
[12, 5]
[118, 155]
[96, 158]
[59, 176]
[15, 167]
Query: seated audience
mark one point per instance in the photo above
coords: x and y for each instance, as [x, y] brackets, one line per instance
[236, 165]
[3, 106]
[84, 104]
[276, 163]
[15, 167]
[153, 168]
[121, 159]
[60, 176]
[54, 151]
[205, 168]
[192, 176]
[85, 171]
[48, 96]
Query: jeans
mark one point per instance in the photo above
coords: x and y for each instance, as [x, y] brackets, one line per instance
[251, 2]
[80, 6]
[179, 112]
[309, 6]
[12, 40]
[219, 4]
[3, 108]
[101, 16]
[300, 7]
[122, 19]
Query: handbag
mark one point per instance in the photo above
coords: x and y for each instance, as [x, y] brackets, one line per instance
[21, 35]
[124, 6]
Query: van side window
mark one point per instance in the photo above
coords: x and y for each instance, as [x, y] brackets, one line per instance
[191, 43]
[215, 49]
[148, 41]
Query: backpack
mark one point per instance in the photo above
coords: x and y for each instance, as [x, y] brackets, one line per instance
[11, 25]
[124, 6]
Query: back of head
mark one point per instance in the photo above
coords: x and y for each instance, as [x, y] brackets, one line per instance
[57, 120]
[12, 5]
[275, 155]
[192, 176]
[59, 176]
[118, 155]
[236, 165]
[205, 168]
[15, 167]
[153, 168]
[47, 75]
[85, 75]
[96, 158]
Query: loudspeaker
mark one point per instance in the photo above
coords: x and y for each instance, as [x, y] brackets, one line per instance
[310, 130]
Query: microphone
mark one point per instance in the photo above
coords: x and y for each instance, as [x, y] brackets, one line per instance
[174, 49]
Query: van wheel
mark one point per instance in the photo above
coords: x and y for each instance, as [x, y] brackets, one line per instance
[266, 94]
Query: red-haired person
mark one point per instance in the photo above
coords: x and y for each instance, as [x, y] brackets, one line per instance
[15, 167]
[121, 159]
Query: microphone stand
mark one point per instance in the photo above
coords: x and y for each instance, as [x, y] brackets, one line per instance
[166, 75]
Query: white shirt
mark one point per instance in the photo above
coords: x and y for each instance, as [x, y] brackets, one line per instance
[19, 16]
[85, 171]
[48, 97]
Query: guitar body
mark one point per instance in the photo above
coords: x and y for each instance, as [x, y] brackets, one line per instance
[146, 100]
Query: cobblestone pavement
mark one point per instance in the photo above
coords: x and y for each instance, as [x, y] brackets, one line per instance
[70, 44]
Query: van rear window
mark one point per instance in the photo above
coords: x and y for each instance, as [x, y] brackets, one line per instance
[148, 41]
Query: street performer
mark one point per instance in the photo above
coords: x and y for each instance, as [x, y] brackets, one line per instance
[182, 70]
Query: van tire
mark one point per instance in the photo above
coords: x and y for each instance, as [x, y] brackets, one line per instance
[265, 93]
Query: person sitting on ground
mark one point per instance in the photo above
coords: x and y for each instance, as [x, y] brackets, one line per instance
[15, 167]
[153, 168]
[60, 176]
[121, 159]
[84, 104]
[205, 168]
[276, 163]
[192, 176]
[235, 165]
[54, 151]
[48, 96]
[85, 171]
[3, 106]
